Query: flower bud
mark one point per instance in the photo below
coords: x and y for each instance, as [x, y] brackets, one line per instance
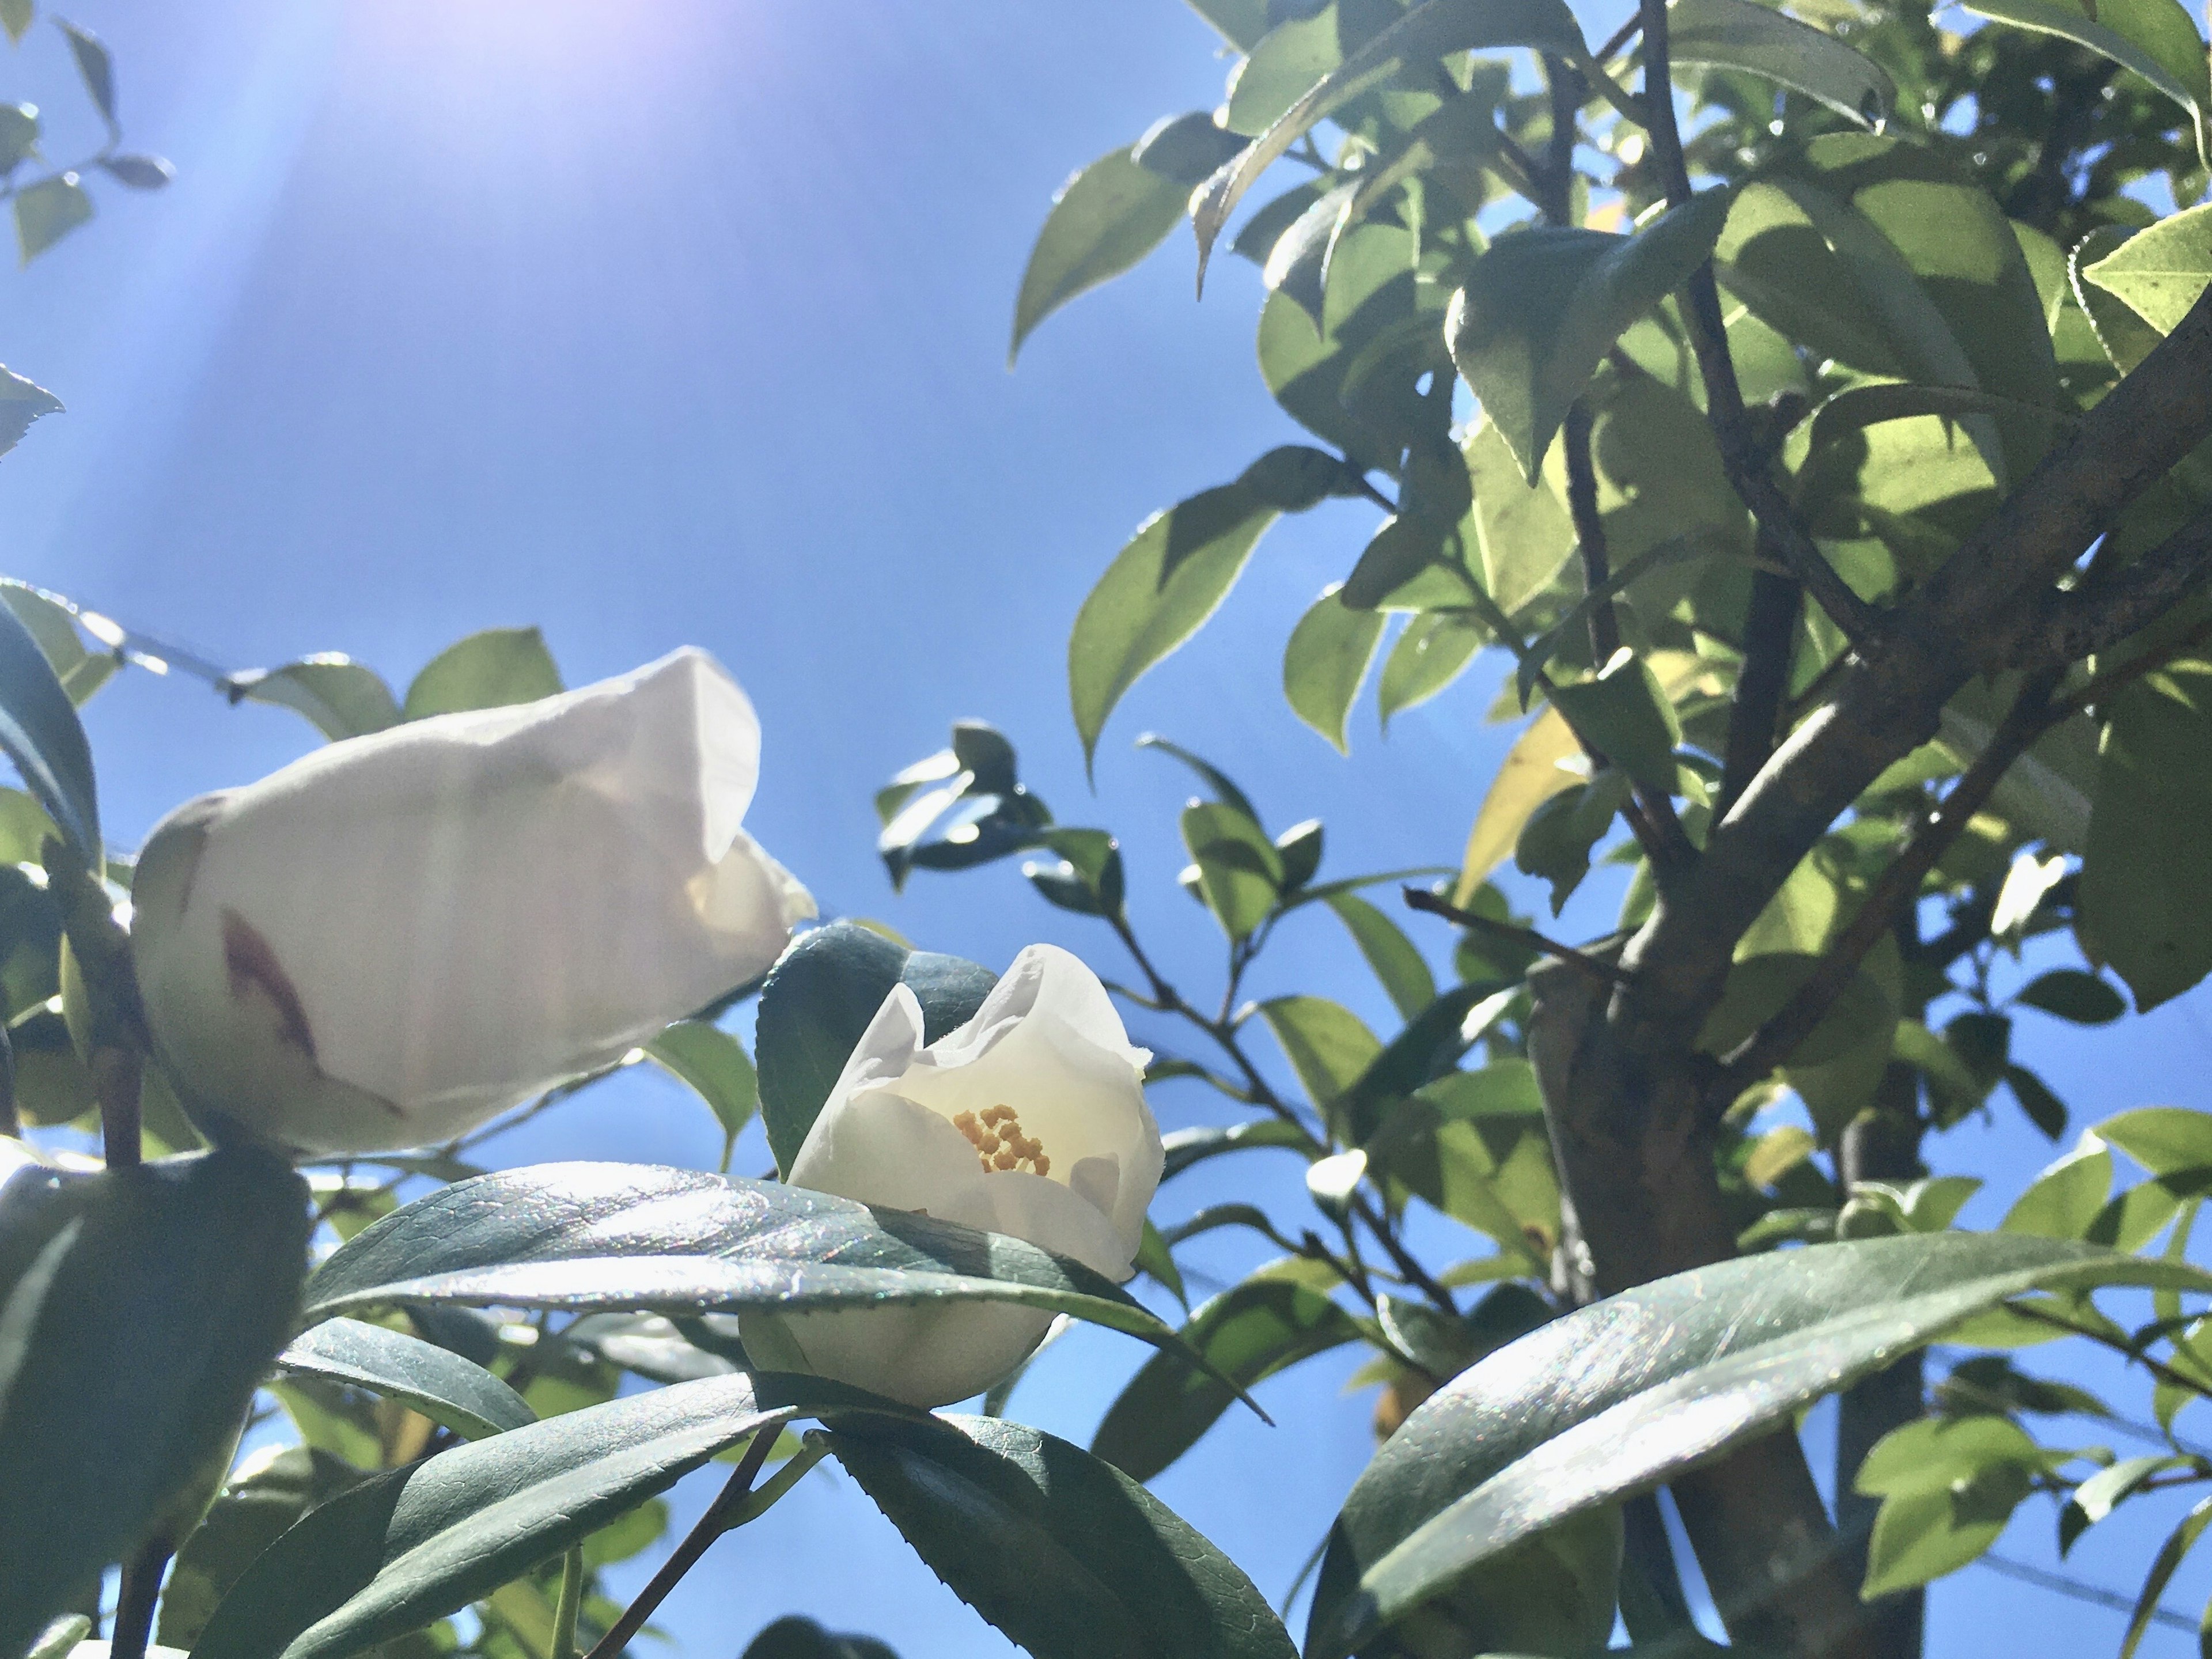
[399, 936]
[1029, 1120]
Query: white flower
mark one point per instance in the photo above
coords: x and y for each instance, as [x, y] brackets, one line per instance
[1029, 1120]
[399, 936]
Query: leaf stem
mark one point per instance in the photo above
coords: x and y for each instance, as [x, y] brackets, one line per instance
[570, 1604]
[137, 1590]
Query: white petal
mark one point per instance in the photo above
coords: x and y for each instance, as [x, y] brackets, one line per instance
[883, 1149]
[924, 1355]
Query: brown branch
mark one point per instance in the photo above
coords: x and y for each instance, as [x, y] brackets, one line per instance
[2032, 714]
[2099, 689]
[2101, 614]
[1419, 898]
[1769, 635]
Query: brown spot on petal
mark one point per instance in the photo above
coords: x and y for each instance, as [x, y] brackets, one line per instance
[254, 967]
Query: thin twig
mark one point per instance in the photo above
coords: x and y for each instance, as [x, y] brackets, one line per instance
[1619, 39]
[137, 1590]
[2060, 1584]
[1435, 904]
[685, 1556]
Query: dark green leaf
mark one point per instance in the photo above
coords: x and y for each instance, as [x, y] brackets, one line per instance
[2043, 1109]
[2146, 877]
[1326, 663]
[1240, 873]
[450, 1391]
[40, 732]
[94, 63]
[413, 1544]
[138, 172]
[2177, 1544]
[819, 999]
[1185, 148]
[1160, 589]
[590, 1237]
[1248, 1332]
[21, 401]
[491, 670]
[273, 1490]
[1224, 787]
[1537, 1433]
[1541, 309]
[1185, 1147]
[2072, 995]
[2156, 38]
[342, 698]
[47, 212]
[1769, 44]
[1062, 1551]
[139, 1308]
[1627, 716]
[794, 1638]
[1328, 1045]
[1103, 220]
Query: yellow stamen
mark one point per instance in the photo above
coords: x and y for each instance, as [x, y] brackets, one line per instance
[996, 1134]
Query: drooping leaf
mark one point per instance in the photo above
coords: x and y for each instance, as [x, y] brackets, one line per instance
[1250, 1332]
[1740, 35]
[1185, 1147]
[139, 171]
[1625, 1395]
[343, 698]
[452, 1392]
[1326, 662]
[1103, 220]
[1160, 589]
[490, 670]
[139, 1308]
[818, 1000]
[413, 1544]
[39, 731]
[47, 212]
[594, 1236]
[1059, 1549]
[1434, 651]
[2146, 877]
[21, 401]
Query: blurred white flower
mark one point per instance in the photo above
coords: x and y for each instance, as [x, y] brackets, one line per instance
[399, 936]
[1029, 1120]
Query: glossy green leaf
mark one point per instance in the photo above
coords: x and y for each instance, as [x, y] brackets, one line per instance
[1621, 1396]
[343, 698]
[2146, 877]
[273, 1489]
[1300, 47]
[2124, 337]
[714, 1066]
[452, 1392]
[1240, 870]
[39, 731]
[1425, 34]
[1326, 662]
[491, 670]
[47, 212]
[139, 1309]
[2159, 272]
[589, 1236]
[1224, 787]
[1250, 1332]
[21, 401]
[1541, 309]
[413, 1544]
[1434, 650]
[818, 1000]
[1740, 35]
[1400, 967]
[2156, 38]
[1859, 407]
[1102, 221]
[1159, 591]
[1185, 148]
[1057, 1548]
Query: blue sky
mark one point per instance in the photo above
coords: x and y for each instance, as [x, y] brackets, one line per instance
[687, 322]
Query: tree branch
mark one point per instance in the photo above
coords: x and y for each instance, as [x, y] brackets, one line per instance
[1770, 633]
[2099, 615]
[1418, 898]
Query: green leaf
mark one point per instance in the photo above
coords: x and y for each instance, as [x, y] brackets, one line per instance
[47, 212]
[1740, 35]
[452, 1392]
[1405, 975]
[2178, 1543]
[593, 1237]
[21, 401]
[138, 172]
[39, 730]
[794, 1638]
[1240, 870]
[1185, 148]
[1158, 592]
[817, 1002]
[1328, 1045]
[2156, 38]
[491, 670]
[2043, 1108]
[1541, 309]
[92, 63]
[1060, 1550]
[1240, 22]
[15, 16]
[1423, 35]
[1103, 220]
[1250, 1332]
[1948, 1487]
[139, 1308]
[2159, 272]
[1530, 774]
[1225, 787]
[413, 1544]
[2103, 1491]
[2146, 877]
[2066, 1198]
[714, 1066]
[2072, 995]
[1295, 52]
[1185, 1147]
[2124, 337]
[271, 1491]
[1627, 716]
[1434, 651]
[343, 698]
[2168, 1140]
[1859, 407]
[1326, 662]
[1534, 1434]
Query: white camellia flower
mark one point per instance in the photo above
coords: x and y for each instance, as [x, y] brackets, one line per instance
[401, 935]
[1029, 1120]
